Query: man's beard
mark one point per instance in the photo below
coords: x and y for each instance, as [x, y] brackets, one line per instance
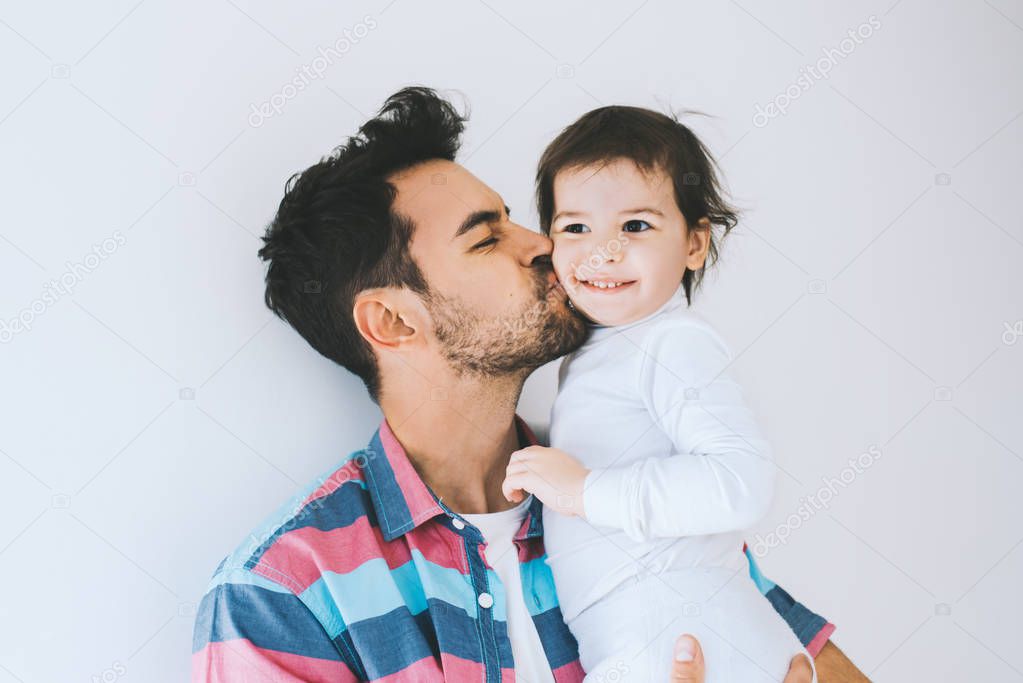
[511, 342]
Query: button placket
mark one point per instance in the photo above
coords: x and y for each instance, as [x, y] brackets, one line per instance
[474, 547]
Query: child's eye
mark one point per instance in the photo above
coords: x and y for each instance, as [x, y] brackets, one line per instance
[636, 226]
[573, 226]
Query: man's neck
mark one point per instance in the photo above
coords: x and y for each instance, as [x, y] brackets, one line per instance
[459, 440]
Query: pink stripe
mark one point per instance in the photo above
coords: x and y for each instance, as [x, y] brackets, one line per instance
[531, 549]
[819, 640]
[458, 669]
[350, 471]
[451, 669]
[240, 660]
[304, 554]
[420, 503]
[439, 546]
[569, 673]
[425, 669]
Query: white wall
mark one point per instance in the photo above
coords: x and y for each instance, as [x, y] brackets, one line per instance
[879, 262]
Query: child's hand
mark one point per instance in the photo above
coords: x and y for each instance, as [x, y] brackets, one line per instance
[550, 474]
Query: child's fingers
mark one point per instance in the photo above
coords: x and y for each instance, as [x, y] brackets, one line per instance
[518, 476]
[523, 454]
[517, 468]
[515, 495]
[512, 487]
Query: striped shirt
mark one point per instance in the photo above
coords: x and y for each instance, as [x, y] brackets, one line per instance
[366, 576]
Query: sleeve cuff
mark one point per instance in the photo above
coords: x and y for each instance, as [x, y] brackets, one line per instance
[603, 497]
[815, 646]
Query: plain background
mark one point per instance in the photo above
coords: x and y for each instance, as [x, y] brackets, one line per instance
[155, 411]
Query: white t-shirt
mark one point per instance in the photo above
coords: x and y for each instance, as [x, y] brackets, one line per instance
[679, 466]
[498, 529]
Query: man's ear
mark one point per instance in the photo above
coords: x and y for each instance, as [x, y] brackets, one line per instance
[698, 243]
[386, 317]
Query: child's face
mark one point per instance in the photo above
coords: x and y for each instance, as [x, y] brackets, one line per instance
[615, 223]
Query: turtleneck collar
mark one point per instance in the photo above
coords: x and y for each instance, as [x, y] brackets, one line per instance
[599, 332]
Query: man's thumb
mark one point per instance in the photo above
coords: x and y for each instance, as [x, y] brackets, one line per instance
[688, 666]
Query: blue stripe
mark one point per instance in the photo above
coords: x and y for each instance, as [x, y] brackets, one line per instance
[413, 585]
[409, 638]
[764, 585]
[266, 618]
[538, 586]
[388, 499]
[804, 623]
[558, 642]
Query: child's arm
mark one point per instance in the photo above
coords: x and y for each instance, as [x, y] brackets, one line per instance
[720, 476]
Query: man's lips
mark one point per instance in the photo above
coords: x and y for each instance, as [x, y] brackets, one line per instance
[556, 289]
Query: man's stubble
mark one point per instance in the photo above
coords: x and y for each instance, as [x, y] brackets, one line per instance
[508, 343]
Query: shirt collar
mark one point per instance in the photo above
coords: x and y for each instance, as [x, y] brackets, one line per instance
[401, 498]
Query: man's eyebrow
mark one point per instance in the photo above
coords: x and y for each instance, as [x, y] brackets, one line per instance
[475, 219]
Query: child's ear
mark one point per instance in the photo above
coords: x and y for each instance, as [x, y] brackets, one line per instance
[698, 236]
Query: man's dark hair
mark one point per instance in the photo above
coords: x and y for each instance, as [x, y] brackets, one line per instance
[336, 232]
[654, 142]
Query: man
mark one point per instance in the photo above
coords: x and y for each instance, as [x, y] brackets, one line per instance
[400, 265]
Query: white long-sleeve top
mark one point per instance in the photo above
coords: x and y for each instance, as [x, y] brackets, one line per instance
[678, 465]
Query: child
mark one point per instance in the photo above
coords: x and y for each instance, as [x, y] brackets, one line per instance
[644, 525]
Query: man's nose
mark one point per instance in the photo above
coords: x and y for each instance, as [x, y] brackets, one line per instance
[534, 246]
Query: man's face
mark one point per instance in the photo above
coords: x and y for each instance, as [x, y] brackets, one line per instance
[496, 305]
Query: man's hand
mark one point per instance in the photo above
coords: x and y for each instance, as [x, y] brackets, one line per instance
[834, 667]
[550, 474]
[689, 666]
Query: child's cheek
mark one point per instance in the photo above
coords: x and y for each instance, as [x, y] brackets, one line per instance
[561, 258]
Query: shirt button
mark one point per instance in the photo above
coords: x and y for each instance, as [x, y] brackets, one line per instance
[486, 600]
[457, 523]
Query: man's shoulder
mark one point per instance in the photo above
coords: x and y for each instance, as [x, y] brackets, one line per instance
[286, 571]
[295, 543]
